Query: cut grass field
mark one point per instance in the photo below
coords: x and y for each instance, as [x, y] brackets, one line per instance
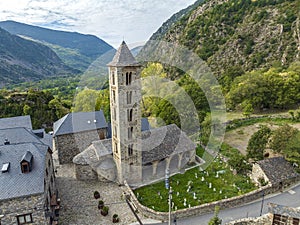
[224, 185]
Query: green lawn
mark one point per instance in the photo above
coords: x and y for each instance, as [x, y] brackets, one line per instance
[226, 185]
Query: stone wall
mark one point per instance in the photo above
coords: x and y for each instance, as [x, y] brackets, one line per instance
[69, 145]
[19, 206]
[257, 174]
[85, 172]
[204, 208]
[263, 220]
[50, 189]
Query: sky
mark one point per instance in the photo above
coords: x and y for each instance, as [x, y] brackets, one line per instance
[111, 20]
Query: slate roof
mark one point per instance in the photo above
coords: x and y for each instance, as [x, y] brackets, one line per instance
[19, 121]
[24, 144]
[277, 169]
[14, 183]
[283, 210]
[94, 152]
[123, 57]
[21, 135]
[164, 141]
[78, 122]
[157, 144]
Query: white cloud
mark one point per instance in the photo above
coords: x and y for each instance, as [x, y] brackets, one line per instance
[135, 20]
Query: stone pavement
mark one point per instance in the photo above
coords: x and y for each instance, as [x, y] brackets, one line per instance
[78, 205]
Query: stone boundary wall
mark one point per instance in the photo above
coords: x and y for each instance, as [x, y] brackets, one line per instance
[263, 220]
[204, 208]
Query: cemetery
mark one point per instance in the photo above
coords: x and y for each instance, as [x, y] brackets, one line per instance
[196, 187]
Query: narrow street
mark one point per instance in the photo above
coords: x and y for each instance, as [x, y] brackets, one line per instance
[290, 197]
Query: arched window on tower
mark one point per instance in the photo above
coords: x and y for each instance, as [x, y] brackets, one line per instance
[129, 114]
[130, 131]
[128, 78]
[129, 97]
[130, 149]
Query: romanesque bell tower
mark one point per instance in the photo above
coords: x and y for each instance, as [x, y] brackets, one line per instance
[125, 99]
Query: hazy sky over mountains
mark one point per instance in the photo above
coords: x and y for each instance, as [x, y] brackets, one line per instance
[111, 20]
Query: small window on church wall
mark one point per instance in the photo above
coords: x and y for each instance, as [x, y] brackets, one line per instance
[128, 78]
[130, 149]
[130, 131]
[114, 114]
[116, 148]
[114, 96]
[115, 131]
[129, 97]
[129, 114]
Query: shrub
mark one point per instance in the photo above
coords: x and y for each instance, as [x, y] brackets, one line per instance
[104, 211]
[115, 218]
[262, 181]
[100, 204]
[96, 195]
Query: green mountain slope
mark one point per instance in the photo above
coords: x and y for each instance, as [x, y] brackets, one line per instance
[75, 49]
[173, 19]
[24, 60]
[240, 35]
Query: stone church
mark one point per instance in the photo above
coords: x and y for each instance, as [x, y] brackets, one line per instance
[132, 154]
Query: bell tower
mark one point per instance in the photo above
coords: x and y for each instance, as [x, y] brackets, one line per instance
[125, 99]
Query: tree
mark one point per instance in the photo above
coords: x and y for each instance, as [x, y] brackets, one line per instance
[215, 220]
[240, 164]
[247, 109]
[254, 88]
[26, 110]
[292, 113]
[102, 103]
[281, 137]
[154, 69]
[205, 129]
[85, 101]
[58, 108]
[258, 142]
[292, 150]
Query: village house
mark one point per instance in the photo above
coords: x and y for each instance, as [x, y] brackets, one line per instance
[75, 132]
[27, 180]
[275, 171]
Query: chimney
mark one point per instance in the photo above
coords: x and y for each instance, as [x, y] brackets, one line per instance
[6, 141]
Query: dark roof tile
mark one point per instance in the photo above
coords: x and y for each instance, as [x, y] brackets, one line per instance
[13, 122]
[123, 57]
[277, 169]
[78, 122]
[14, 183]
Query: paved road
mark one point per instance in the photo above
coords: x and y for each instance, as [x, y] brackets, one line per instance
[290, 197]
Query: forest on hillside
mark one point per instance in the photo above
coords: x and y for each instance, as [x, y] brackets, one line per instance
[277, 88]
[264, 76]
